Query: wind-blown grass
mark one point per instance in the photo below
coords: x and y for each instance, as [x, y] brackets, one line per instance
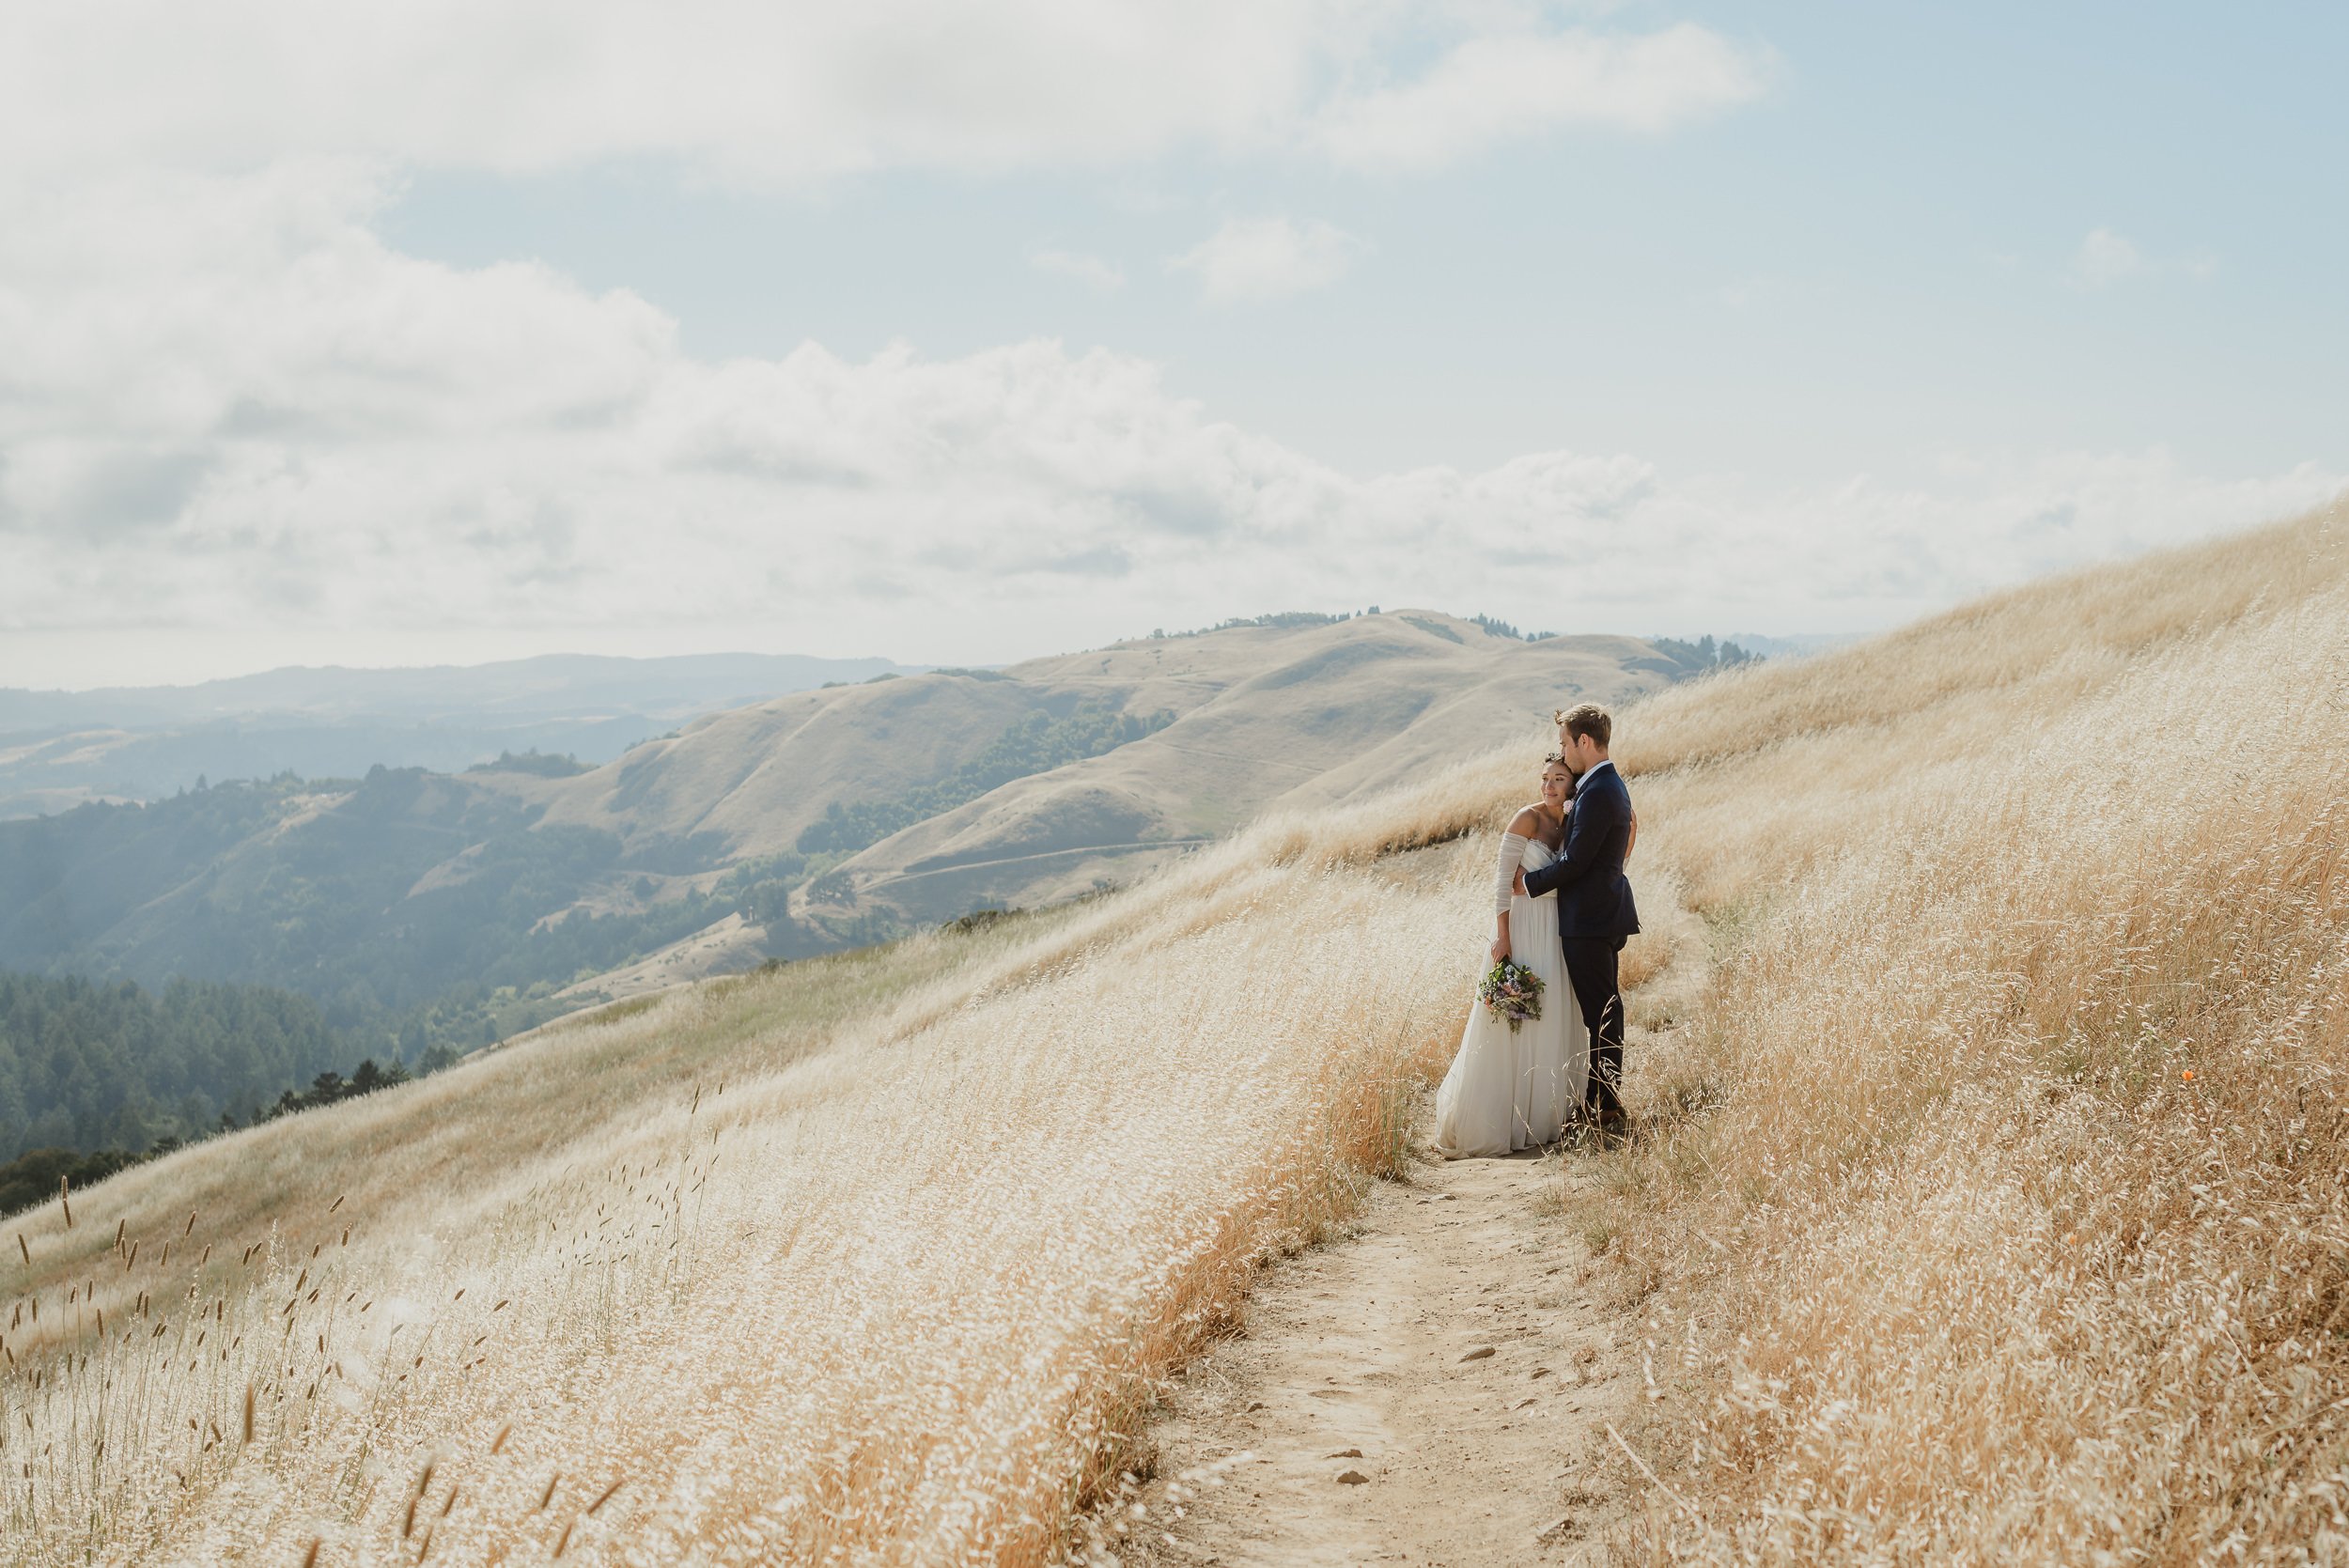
[2016, 1230]
[875, 1260]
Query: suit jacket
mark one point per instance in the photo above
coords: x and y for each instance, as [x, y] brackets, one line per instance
[1593, 898]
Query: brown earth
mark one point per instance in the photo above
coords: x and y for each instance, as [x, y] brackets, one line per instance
[1354, 1420]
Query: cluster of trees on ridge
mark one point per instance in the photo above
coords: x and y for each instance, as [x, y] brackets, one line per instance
[1687, 658]
[38, 1174]
[1702, 655]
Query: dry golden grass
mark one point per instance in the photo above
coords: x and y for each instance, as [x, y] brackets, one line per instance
[2013, 1228]
[1947, 1258]
[897, 1291]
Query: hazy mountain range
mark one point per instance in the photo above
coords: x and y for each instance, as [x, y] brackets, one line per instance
[58, 749]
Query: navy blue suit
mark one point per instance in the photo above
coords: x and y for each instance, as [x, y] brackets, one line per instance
[1596, 915]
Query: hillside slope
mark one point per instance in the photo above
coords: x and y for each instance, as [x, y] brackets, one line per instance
[1943, 1256]
[867, 1256]
[963, 789]
[1991, 1209]
[1268, 719]
[1262, 718]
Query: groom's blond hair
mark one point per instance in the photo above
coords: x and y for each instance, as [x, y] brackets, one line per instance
[1586, 719]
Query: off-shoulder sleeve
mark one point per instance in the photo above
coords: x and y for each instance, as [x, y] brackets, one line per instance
[1511, 857]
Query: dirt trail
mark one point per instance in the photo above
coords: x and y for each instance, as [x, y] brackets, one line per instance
[1361, 1345]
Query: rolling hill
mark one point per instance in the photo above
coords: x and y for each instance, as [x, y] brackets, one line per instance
[1258, 718]
[1991, 1060]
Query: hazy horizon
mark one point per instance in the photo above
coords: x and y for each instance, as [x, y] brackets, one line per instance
[910, 666]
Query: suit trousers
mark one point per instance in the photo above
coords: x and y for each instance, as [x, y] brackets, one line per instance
[1591, 970]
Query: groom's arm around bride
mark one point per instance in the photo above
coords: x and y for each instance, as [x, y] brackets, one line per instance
[1595, 913]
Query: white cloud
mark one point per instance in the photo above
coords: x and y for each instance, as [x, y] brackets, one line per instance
[1250, 260]
[754, 91]
[2104, 258]
[1498, 89]
[229, 409]
[1081, 266]
[751, 89]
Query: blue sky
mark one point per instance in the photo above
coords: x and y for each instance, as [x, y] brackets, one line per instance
[966, 334]
[1874, 261]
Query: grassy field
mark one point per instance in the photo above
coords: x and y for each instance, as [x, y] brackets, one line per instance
[872, 1259]
[1994, 1210]
[1989, 1207]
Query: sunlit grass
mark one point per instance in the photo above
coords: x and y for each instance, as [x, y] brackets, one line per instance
[879, 1257]
[2016, 1232]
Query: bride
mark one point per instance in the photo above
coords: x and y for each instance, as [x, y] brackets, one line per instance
[1508, 1091]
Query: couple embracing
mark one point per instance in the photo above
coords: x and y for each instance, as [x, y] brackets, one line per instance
[1565, 912]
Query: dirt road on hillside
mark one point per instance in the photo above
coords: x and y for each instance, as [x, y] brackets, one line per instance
[1434, 1389]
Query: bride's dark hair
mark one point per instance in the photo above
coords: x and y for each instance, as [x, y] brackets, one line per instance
[1557, 759]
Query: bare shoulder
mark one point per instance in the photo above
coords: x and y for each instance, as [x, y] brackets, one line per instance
[1526, 822]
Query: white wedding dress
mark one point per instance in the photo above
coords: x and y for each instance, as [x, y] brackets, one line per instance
[1506, 1091]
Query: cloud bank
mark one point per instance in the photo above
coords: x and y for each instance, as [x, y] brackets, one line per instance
[232, 416]
[762, 93]
[229, 407]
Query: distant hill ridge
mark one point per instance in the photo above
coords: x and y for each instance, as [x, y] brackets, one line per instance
[59, 749]
[549, 683]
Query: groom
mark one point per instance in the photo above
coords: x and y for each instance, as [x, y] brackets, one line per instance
[1596, 914]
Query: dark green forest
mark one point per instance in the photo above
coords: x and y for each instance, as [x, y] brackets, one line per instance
[90, 1065]
[95, 1078]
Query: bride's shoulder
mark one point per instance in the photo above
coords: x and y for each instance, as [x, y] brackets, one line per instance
[1526, 822]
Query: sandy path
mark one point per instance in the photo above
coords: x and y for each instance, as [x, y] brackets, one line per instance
[1360, 1345]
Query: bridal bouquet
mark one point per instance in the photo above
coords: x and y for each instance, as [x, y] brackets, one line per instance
[1512, 992]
